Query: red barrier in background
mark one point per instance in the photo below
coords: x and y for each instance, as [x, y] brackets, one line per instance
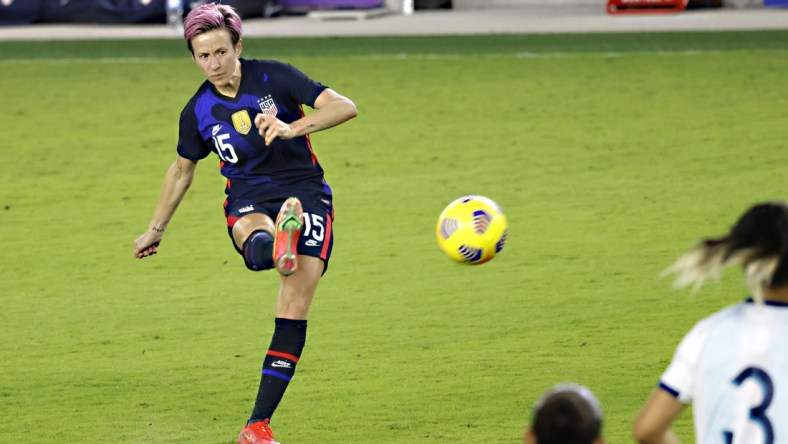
[645, 6]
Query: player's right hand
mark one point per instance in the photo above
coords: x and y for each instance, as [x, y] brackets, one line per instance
[146, 245]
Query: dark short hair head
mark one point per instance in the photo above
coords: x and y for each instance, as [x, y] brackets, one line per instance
[567, 414]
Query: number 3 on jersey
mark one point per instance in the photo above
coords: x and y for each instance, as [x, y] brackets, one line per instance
[757, 413]
[223, 149]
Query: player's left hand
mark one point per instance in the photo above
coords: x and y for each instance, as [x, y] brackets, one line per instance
[270, 128]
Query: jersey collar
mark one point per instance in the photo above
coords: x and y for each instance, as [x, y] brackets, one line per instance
[769, 303]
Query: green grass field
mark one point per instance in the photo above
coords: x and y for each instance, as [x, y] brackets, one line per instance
[610, 154]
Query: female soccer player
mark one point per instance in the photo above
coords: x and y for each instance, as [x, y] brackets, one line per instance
[249, 112]
[733, 365]
[566, 414]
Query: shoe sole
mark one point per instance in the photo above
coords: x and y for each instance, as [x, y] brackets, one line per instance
[290, 221]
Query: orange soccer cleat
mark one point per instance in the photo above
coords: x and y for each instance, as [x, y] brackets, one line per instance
[257, 433]
[288, 229]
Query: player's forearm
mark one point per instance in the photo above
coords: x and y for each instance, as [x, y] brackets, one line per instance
[652, 425]
[331, 114]
[665, 438]
[176, 184]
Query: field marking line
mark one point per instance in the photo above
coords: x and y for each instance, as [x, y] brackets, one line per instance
[402, 56]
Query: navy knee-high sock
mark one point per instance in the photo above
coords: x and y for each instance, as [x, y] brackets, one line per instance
[279, 366]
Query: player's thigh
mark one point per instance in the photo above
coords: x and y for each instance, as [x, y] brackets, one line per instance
[297, 290]
[248, 224]
[246, 216]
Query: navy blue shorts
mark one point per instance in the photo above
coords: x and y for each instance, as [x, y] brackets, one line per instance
[317, 236]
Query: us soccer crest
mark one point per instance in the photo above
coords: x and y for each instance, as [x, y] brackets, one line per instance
[268, 106]
[242, 122]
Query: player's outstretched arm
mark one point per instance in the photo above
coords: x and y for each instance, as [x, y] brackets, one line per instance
[331, 109]
[176, 182]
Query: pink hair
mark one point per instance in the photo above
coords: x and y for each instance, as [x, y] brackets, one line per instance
[208, 17]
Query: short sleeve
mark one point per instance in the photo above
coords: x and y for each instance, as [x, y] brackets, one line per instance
[679, 378]
[190, 143]
[302, 87]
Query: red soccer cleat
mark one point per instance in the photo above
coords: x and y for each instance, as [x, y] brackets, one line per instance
[288, 229]
[257, 433]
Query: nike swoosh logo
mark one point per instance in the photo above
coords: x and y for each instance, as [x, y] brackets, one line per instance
[281, 364]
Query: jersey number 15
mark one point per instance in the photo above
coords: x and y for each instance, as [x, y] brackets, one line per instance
[223, 149]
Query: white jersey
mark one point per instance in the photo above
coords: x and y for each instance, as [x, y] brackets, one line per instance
[733, 367]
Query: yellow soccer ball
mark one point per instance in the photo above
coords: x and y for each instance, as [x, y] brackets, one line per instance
[472, 230]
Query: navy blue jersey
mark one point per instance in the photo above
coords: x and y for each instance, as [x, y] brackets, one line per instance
[225, 125]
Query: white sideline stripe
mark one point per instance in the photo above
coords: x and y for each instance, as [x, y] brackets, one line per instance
[523, 55]
[65, 61]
